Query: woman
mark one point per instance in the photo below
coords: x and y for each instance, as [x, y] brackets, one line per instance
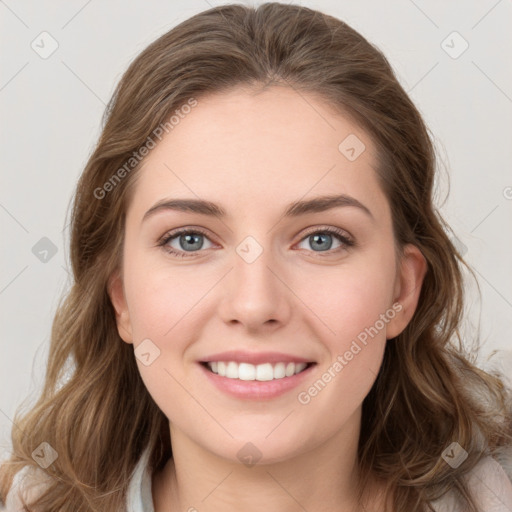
[261, 282]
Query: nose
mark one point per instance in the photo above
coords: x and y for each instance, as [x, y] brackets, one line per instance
[256, 295]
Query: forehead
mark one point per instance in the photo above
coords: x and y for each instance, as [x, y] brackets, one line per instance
[267, 148]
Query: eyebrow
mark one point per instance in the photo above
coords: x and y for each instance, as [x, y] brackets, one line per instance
[295, 209]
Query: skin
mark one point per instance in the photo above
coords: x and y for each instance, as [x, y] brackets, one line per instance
[253, 154]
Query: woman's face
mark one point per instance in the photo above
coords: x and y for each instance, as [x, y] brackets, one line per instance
[263, 286]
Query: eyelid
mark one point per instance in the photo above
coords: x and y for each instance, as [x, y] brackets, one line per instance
[329, 229]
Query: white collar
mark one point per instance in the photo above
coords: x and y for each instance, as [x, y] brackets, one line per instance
[139, 496]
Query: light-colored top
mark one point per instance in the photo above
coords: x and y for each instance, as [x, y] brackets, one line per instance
[491, 483]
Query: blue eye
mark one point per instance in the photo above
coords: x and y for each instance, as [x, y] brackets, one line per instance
[323, 240]
[184, 243]
[187, 240]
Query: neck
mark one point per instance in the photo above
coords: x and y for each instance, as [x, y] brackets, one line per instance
[325, 478]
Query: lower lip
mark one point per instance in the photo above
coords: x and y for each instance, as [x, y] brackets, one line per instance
[255, 389]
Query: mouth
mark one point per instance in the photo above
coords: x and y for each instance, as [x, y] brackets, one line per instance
[256, 372]
[259, 380]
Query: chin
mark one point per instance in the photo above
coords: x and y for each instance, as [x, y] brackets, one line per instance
[256, 450]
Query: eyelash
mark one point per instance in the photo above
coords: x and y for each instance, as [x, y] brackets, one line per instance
[338, 233]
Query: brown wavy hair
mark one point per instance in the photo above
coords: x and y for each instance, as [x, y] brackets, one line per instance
[94, 409]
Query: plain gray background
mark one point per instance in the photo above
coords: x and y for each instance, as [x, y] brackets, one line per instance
[51, 109]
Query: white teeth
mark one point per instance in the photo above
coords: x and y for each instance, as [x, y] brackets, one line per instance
[245, 371]
[232, 370]
[260, 372]
[299, 367]
[264, 372]
[279, 371]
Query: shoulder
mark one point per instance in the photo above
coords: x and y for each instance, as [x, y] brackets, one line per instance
[491, 488]
[28, 483]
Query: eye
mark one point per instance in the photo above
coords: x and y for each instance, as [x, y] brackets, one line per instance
[179, 243]
[184, 243]
[321, 240]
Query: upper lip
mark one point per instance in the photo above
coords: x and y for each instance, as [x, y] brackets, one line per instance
[255, 357]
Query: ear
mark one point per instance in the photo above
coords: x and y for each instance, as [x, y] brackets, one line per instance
[117, 297]
[409, 279]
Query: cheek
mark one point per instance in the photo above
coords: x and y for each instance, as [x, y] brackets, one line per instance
[169, 308]
[351, 297]
[354, 352]
[162, 310]
[160, 301]
[354, 303]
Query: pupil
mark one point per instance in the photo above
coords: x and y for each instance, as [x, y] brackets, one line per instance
[190, 239]
[319, 238]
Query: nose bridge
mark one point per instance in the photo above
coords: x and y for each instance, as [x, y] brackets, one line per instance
[255, 294]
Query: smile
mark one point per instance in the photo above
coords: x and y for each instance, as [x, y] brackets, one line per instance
[260, 372]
